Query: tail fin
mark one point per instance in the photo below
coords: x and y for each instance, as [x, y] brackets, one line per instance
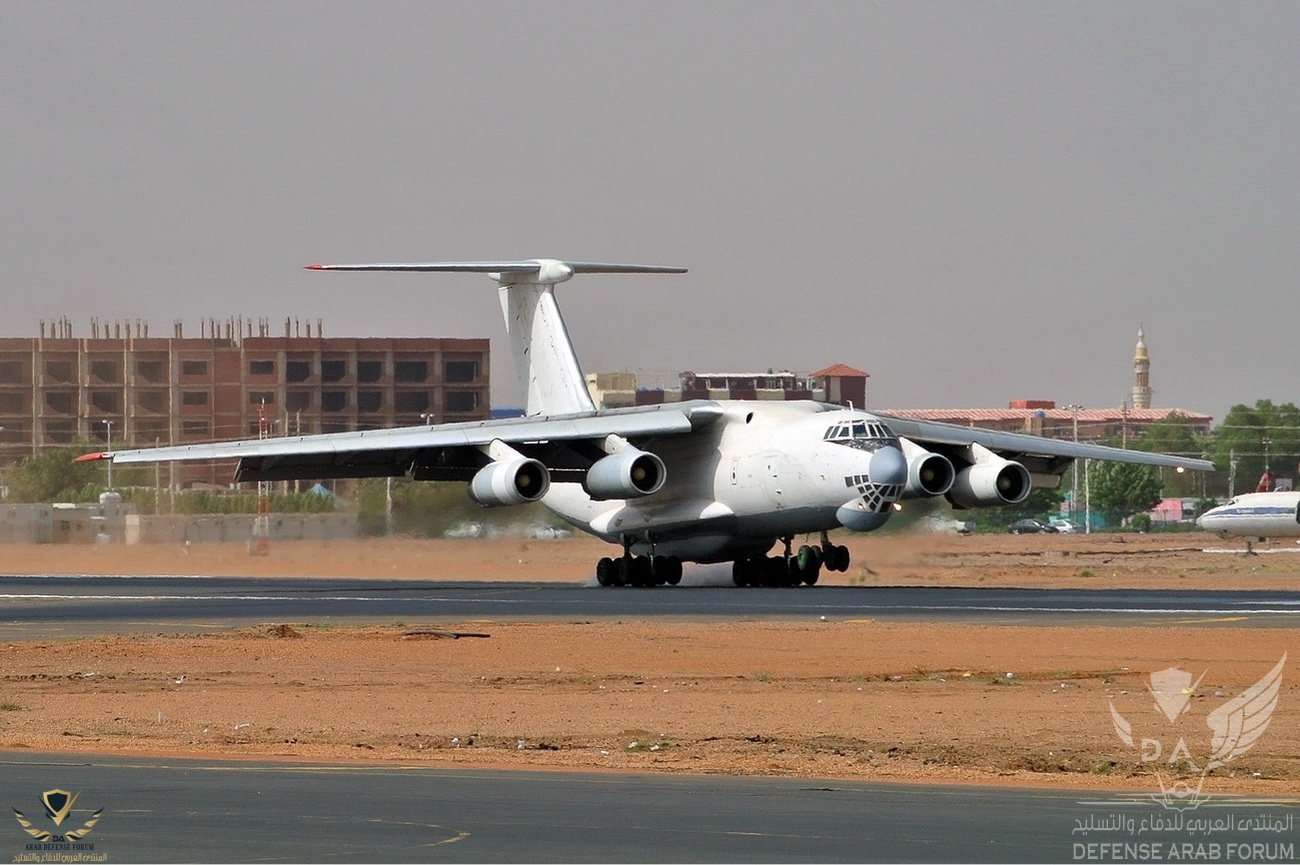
[544, 357]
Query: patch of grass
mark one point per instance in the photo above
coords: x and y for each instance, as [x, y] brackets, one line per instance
[11, 706]
[1086, 573]
[762, 675]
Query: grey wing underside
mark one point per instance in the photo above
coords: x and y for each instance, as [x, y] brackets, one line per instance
[567, 444]
[1042, 456]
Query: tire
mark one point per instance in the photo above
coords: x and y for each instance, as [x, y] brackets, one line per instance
[740, 573]
[674, 575]
[605, 571]
[642, 573]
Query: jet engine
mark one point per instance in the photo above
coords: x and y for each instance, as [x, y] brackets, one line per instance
[989, 484]
[928, 473]
[510, 482]
[628, 474]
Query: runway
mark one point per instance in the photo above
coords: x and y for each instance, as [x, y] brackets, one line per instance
[161, 810]
[35, 606]
[165, 809]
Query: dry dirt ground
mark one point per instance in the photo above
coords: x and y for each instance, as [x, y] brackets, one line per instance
[840, 698]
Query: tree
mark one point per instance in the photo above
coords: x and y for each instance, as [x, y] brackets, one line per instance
[1252, 434]
[1120, 490]
[56, 476]
[1173, 435]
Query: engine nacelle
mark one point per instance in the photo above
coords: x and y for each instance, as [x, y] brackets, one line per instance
[628, 474]
[990, 484]
[510, 482]
[928, 474]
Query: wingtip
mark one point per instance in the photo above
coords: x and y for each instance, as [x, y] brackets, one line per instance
[315, 267]
[92, 456]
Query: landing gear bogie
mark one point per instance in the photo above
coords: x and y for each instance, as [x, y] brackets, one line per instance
[786, 571]
[640, 571]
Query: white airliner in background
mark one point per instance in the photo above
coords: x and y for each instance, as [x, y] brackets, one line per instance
[1255, 516]
[696, 481]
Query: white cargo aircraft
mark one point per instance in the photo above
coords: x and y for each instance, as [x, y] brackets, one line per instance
[695, 481]
[1255, 516]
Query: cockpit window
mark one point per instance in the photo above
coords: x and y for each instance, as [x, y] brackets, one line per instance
[859, 431]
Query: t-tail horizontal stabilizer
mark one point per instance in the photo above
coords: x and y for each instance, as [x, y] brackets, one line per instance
[544, 357]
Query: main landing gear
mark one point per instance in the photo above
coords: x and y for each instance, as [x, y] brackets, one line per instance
[791, 569]
[630, 570]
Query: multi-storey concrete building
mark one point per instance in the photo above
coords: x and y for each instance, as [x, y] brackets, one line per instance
[838, 384]
[146, 390]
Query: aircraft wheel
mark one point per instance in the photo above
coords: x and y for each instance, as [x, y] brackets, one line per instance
[642, 572]
[624, 571]
[605, 571]
[742, 572]
[674, 575]
[810, 576]
[774, 571]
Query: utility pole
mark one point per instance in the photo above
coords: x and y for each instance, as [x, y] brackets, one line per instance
[260, 543]
[1087, 499]
[109, 424]
[1074, 466]
[388, 505]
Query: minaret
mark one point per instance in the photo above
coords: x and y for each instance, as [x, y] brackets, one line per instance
[1141, 374]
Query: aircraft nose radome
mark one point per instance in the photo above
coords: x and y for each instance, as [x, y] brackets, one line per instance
[888, 467]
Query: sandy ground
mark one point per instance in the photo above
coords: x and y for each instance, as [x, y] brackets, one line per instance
[1195, 560]
[856, 698]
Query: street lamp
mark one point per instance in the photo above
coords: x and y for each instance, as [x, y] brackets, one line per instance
[427, 417]
[109, 424]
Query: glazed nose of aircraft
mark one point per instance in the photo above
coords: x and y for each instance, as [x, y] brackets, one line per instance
[888, 467]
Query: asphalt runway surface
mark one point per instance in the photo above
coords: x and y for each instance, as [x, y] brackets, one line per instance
[43, 606]
[163, 809]
[167, 810]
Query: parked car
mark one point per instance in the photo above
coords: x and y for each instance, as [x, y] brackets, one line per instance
[1066, 527]
[1029, 527]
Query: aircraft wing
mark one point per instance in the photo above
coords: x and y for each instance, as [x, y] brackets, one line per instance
[567, 443]
[1044, 457]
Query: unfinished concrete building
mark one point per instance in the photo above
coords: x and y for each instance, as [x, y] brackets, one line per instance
[143, 391]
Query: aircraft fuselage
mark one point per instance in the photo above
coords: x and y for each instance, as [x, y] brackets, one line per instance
[762, 471]
[1255, 516]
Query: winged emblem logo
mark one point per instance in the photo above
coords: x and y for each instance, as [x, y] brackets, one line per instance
[1235, 727]
[58, 804]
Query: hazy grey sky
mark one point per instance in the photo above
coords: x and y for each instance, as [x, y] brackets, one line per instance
[973, 202]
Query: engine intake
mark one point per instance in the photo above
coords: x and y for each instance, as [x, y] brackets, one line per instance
[928, 474]
[510, 482]
[990, 484]
[625, 475]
